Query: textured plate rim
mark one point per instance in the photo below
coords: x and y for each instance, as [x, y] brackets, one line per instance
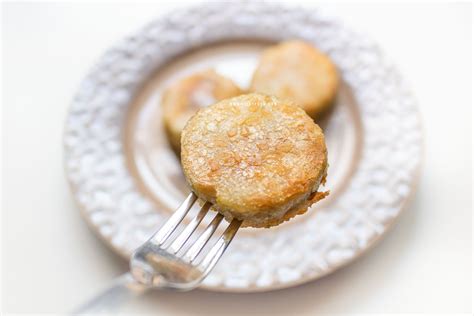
[389, 224]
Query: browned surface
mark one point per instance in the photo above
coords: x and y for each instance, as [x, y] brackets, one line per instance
[184, 98]
[255, 157]
[297, 71]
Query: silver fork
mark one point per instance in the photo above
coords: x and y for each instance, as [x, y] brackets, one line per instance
[154, 265]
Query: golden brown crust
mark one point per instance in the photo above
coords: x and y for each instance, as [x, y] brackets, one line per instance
[298, 209]
[255, 157]
[297, 71]
[181, 100]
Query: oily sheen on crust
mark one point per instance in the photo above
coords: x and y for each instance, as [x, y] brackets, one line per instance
[256, 158]
[184, 98]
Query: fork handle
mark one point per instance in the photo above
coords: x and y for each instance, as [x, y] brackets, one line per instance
[121, 290]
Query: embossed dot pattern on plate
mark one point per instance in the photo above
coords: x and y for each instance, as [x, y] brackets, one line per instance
[374, 140]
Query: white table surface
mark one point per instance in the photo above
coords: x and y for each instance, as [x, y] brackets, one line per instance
[51, 260]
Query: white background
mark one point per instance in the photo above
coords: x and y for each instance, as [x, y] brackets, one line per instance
[51, 260]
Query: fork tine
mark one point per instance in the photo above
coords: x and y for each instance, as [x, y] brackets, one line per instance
[168, 228]
[220, 246]
[197, 247]
[184, 236]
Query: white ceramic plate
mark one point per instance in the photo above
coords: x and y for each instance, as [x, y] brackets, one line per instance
[127, 180]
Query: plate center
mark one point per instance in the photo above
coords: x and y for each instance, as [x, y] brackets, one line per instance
[157, 170]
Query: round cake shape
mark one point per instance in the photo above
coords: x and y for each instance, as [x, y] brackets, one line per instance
[184, 98]
[297, 71]
[255, 158]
